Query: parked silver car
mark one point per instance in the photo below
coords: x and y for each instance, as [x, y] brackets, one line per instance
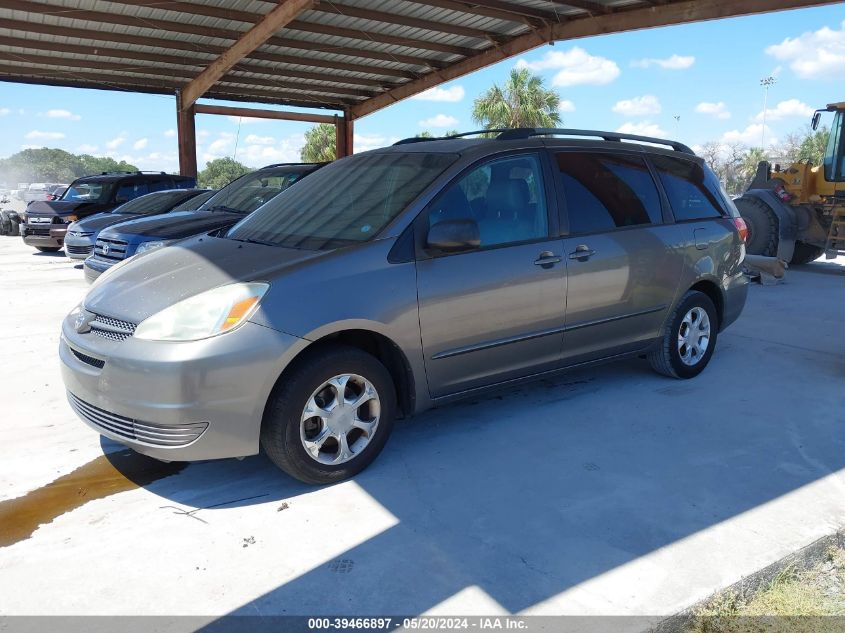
[398, 279]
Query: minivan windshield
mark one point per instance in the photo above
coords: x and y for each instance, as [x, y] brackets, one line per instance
[345, 202]
[88, 192]
[250, 191]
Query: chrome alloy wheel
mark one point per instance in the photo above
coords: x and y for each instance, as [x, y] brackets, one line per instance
[694, 336]
[339, 419]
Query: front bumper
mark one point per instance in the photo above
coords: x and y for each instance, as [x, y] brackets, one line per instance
[176, 401]
[94, 267]
[79, 246]
[49, 235]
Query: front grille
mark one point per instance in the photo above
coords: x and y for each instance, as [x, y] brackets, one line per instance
[90, 360]
[112, 329]
[79, 250]
[114, 250]
[132, 429]
[32, 230]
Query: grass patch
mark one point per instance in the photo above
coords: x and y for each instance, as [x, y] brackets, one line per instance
[795, 600]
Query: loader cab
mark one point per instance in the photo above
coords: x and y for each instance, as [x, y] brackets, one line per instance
[834, 156]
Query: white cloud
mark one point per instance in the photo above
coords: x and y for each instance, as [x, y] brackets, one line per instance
[254, 139]
[788, 108]
[718, 110]
[675, 62]
[245, 120]
[365, 142]
[439, 120]
[575, 67]
[4, 111]
[749, 136]
[203, 134]
[115, 142]
[62, 114]
[44, 136]
[643, 128]
[141, 143]
[86, 148]
[170, 133]
[221, 146]
[565, 106]
[449, 95]
[814, 54]
[30, 146]
[638, 106]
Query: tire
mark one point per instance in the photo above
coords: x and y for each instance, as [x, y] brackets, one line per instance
[15, 224]
[285, 430]
[666, 357]
[762, 226]
[49, 249]
[805, 253]
[5, 223]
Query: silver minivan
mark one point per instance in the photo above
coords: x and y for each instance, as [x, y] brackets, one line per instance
[398, 279]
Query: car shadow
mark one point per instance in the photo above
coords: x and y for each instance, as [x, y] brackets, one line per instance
[48, 254]
[531, 491]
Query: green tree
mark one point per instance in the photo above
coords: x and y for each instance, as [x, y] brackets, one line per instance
[813, 146]
[99, 164]
[320, 144]
[748, 166]
[55, 165]
[523, 101]
[220, 172]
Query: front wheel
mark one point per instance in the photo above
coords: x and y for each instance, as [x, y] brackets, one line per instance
[690, 338]
[805, 253]
[330, 416]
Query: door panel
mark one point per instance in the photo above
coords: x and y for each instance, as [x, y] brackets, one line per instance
[618, 298]
[490, 315]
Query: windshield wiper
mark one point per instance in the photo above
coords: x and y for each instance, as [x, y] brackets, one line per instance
[250, 240]
[222, 207]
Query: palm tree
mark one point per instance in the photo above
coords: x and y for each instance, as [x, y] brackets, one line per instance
[320, 144]
[523, 102]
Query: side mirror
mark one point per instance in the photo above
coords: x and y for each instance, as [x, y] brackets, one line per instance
[453, 236]
[816, 118]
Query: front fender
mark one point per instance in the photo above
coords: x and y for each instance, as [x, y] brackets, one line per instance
[787, 221]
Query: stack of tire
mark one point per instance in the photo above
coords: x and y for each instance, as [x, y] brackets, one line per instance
[9, 222]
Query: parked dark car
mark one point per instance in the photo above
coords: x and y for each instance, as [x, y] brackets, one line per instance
[399, 279]
[228, 206]
[82, 234]
[47, 221]
[56, 192]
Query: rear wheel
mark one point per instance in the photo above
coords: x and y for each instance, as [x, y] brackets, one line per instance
[331, 415]
[5, 223]
[690, 338]
[762, 226]
[805, 253]
[49, 249]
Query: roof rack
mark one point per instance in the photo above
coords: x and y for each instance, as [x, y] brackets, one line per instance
[513, 134]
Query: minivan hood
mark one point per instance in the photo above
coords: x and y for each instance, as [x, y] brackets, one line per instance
[153, 281]
[174, 226]
[54, 207]
[100, 221]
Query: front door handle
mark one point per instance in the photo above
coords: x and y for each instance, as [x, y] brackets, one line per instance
[547, 259]
[582, 253]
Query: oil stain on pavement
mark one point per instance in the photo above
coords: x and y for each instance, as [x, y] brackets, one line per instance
[99, 478]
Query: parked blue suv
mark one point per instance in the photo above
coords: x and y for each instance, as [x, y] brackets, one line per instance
[226, 208]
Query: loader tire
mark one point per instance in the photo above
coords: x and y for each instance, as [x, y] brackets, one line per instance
[5, 223]
[805, 253]
[762, 226]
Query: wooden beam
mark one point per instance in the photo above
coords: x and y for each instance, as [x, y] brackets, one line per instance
[255, 113]
[131, 66]
[167, 26]
[681, 12]
[485, 9]
[88, 36]
[343, 126]
[515, 11]
[186, 136]
[283, 14]
[593, 8]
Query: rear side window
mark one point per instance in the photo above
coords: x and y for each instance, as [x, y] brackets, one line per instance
[131, 190]
[604, 192]
[160, 184]
[694, 194]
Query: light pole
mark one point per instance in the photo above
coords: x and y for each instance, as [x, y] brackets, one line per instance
[766, 82]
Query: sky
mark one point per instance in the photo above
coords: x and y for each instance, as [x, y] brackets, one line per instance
[707, 74]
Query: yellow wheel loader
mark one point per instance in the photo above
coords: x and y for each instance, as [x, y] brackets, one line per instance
[797, 213]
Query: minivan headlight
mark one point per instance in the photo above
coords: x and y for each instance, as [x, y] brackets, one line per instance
[207, 314]
[152, 245]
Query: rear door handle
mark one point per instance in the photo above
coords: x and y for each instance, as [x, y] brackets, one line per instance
[582, 253]
[547, 259]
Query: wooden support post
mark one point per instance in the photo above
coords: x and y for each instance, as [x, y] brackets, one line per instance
[343, 135]
[187, 138]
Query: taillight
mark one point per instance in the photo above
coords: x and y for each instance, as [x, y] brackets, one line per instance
[742, 227]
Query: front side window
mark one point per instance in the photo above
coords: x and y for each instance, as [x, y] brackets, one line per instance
[505, 197]
[693, 192]
[604, 192]
[87, 192]
[834, 156]
[346, 202]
